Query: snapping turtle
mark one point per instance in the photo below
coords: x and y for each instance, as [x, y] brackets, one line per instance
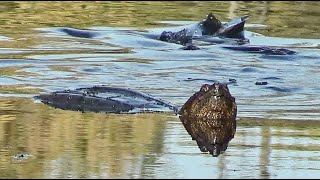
[209, 116]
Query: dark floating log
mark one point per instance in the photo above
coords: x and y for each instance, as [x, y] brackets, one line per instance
[262, 50]
[105, 99]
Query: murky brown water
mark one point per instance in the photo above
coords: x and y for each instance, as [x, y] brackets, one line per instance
[278, 131]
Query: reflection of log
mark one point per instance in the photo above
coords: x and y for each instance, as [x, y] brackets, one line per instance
[209, 116]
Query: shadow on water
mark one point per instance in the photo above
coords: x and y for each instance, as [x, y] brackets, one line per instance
[275, 137]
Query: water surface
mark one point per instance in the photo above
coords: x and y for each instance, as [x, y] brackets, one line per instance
[278, 129]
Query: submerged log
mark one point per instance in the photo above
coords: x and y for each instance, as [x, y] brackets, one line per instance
[105, 99]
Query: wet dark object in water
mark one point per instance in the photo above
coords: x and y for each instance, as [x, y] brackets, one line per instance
[281, 89]
[262, 50]
[181, 37]
[210, 26]
[79, 32]
[209, 116]
[234, 28]
[105, 99]
[232, 81]
[262, 83]
[209, 30]
[231, 32]
[190, 47]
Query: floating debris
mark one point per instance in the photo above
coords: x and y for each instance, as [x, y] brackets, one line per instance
[262, 83]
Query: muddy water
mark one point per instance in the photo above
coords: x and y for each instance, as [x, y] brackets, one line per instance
[278, 129]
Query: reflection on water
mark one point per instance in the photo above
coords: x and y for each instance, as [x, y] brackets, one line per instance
[36, 58]
[77, 144]
[65, 144]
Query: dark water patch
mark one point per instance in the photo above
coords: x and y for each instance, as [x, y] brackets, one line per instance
[266, 80]
[261, 83]
[249, 70]
[262, 50]
[190, 47]
[232, 81]
[66, 32]
[280, 58]
[271, 78]
[200, 79]
[105, 99]
[211, 81]
[92, 70]
[79, 32]
[282, 89]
